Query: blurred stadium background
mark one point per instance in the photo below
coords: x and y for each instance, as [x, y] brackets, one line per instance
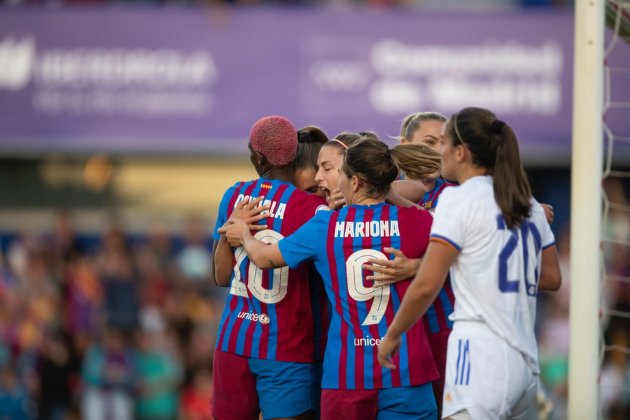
[122, 123]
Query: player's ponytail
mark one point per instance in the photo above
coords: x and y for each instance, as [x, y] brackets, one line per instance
[416, 161]
[493, 145]
[511, 188]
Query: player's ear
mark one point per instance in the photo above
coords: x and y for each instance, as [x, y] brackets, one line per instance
[355, 182]
[461, 153]
[261, 162]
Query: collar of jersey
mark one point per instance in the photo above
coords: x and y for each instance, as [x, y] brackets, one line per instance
[368, 206]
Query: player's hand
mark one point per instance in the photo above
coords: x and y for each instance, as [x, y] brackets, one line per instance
[388, 349]
[336, 200]
[548, 212]
[391, 271]
[235, 230]
[251, 212]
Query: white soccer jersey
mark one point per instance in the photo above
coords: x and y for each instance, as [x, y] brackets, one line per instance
[495, 276]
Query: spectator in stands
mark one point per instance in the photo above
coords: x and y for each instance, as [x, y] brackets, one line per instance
[108, 375]
[159, 377]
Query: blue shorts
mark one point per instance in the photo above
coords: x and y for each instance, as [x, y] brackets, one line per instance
[407, 402]
[244, 386]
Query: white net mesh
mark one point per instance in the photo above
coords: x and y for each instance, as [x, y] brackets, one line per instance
[615, 369]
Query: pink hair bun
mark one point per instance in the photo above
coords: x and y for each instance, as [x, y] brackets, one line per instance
[276, 138]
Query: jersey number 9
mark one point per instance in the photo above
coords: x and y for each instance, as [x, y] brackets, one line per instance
[360, 293]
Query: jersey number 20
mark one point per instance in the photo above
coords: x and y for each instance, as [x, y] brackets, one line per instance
[255, 275]
[521, 239]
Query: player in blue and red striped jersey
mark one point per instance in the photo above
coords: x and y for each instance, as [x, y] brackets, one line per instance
[430, 198]
[423, 128]
[340, 243]
[264, 352]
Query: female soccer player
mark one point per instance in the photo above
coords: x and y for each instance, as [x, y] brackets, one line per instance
[422, 128]
[339, 243]
[310, 141]
[436, 321]
[328, 164]
[264, 358]
[500, 250]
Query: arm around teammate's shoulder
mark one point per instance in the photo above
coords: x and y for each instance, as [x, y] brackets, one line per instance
[550, 275]
[263, 255]
[408, 190]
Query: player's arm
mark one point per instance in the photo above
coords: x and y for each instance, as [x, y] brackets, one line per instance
[419, 296]
[222, 253]
[222, 262]
[392, 271]
[408, 189]
[399, 200]
[263, 255]
[550, 275]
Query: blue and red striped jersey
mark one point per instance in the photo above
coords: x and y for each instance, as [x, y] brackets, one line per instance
[268, 313]
[437, 317]
[430, 198]
[340, 243]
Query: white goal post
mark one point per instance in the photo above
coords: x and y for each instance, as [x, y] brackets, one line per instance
[586, 209]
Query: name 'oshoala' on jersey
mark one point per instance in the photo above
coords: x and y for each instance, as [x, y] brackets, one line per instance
[268, 313]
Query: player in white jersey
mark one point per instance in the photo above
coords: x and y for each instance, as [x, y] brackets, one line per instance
[500, 250]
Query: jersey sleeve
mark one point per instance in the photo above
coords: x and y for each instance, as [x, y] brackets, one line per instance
[222, 215]
[448, 226]
[304, 243]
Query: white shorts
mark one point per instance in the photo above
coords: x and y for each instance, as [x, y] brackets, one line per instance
[486, 376]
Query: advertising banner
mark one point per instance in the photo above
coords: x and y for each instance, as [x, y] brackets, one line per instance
[192, 81]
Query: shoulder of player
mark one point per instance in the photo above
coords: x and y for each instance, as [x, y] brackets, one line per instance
[469, 190]
[414, 215]
[239, 187]
[537, 211]
[307, 200]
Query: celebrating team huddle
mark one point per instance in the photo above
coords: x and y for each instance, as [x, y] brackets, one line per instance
[360, 275]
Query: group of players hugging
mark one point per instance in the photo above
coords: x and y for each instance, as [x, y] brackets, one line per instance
[369, 282]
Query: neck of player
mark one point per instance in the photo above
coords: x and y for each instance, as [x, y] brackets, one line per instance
[281, 173]
[362, 199]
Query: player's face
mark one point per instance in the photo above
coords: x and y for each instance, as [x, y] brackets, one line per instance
[329, 162]
[304, 179]
[447, 151]
[428, 133]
